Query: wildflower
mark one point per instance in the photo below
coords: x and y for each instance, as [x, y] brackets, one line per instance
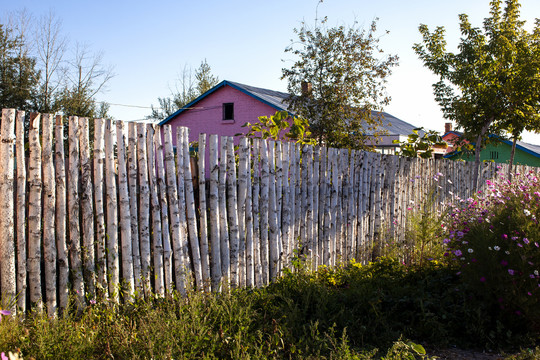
[532, 276]
[536, 272]
[3, 356]
[519, 245]
[496, 248]
[527, 212]
[5, 313]
[93, 301]
[504, 236]
[446, 241]
[504, 262]
[483, 279]
[511, 272]
[525, 241]
[458, 252]
[507, 252]
[470, 251]
[529, 293]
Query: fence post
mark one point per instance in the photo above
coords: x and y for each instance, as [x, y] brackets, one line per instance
[7, 235]
[203, 223]
[215, 213]
[20, 207]
[99, 161]
[49, 200]
[60, 211]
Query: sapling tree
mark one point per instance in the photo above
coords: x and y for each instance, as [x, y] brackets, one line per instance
[337, 81]
[490, 85]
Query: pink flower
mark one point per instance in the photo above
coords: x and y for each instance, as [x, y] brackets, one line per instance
[4, 312]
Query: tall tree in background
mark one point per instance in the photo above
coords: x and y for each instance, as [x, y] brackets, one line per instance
[338, 81]
[491, 85]
[51, 47]
[18, 76]
[187, 89]
[87, 76]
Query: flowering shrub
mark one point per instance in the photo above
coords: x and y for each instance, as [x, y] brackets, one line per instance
[493, 238]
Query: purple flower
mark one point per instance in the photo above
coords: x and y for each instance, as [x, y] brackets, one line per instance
[511, 272]
[5, 313]
[483, 279]
[458, 252]
[504, 262]
[525, 240]
[504, 236]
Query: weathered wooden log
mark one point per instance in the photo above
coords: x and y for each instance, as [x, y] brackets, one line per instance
[20, 208]
[215, 258]
[7, 234]
[125, 213]
[157, 239]
[49, 200]
[113, 261]
[232, 211]
[203, 223]
[144, 208]
[133, 205]
[223, 228]
[60, 210]
[177, 235]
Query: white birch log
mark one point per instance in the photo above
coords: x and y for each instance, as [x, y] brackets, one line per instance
[309, 243]
[87, 210]
[315, 207]
[7, 225]
[99, 162]
[293, 166]
[133, 204]
[303, 200]
[232, 207]
[113, 261]
[323, 231]
[191, 219]
[264, 212]
[250, 277]
[20, 206]
[223, 230]
[215, 258]
[286, 212]
[203, 222]
[49, 200]
[144, 208]
[125, 213]
[164, 205]
[257, 267]
[279, 191]
[182, 204]
[242, 194]
[34, 212]
[176, 235]
[334, 230]
[60, 213]
[157, 239]
[272, 214]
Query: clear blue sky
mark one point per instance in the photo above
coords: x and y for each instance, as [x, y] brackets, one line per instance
[150, 42]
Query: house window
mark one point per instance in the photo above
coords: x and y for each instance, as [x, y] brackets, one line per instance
[494, 155]
[228, 111]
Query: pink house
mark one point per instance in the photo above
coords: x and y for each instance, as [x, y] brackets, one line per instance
[223, 110]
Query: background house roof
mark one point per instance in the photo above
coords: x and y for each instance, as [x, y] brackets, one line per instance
[390, 124]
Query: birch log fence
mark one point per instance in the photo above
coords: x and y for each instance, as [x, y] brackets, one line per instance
[134, 217]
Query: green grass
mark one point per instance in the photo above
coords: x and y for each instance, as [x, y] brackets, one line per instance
[349, 312]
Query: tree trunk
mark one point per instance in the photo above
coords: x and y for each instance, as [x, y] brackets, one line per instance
[125, 213]
[133, 204]
[7, 235]
[113, 261]
[232, 203]
[177, 235]
[34, 212]
[49, 200]
[165, 232]
[87, 209]
[512, 156]
[214, 213]
[20, 207]
[203, 223]
[157, 240]
[60, 213]
[144, 208]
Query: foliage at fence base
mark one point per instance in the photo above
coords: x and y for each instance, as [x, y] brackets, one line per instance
[347, 312]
